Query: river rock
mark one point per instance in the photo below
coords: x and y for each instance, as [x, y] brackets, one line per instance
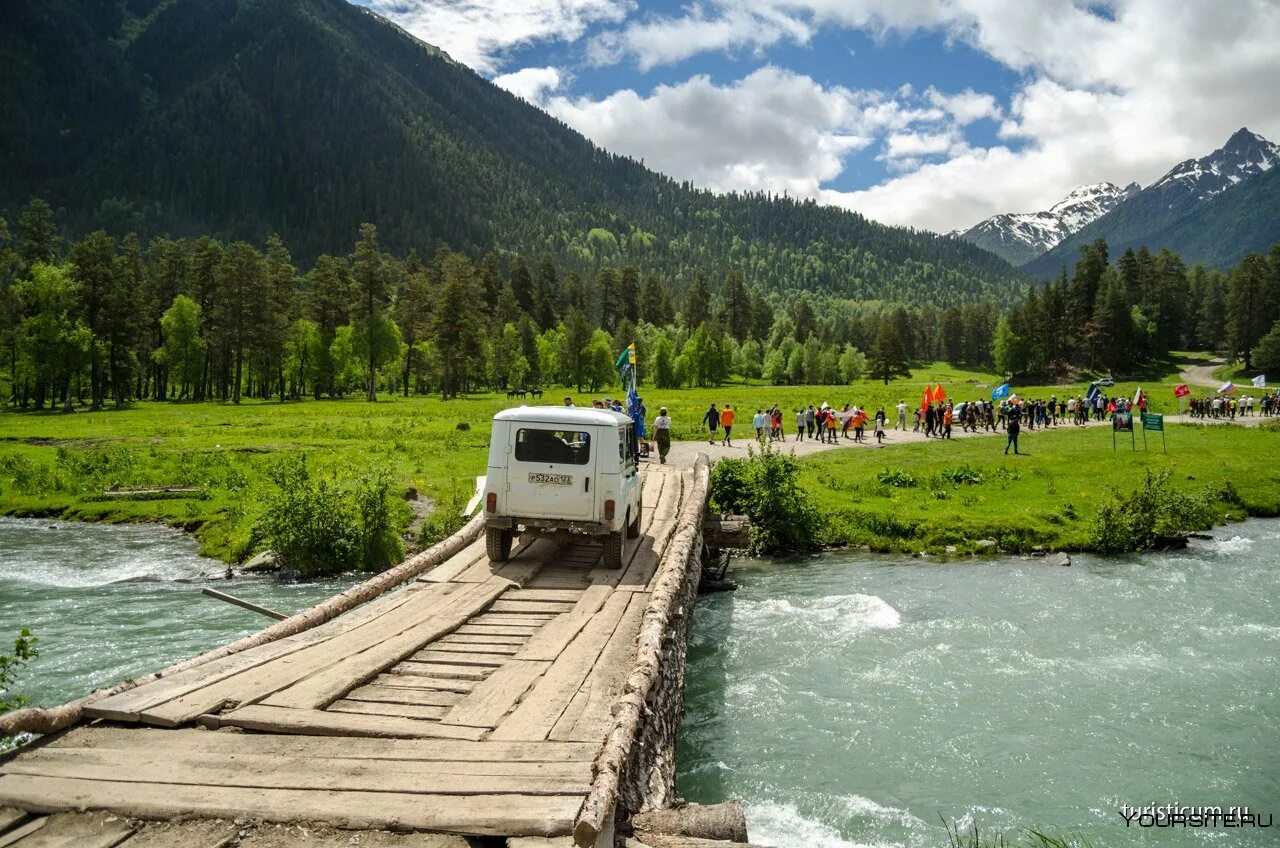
[986, 543]
[264, 561]
[1062, 559]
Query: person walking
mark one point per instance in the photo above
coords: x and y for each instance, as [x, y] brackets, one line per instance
[662, 432]
[880, 426]
[726, 423]
[759, 423]
[902, 416]
[810, 419]
[800, 415]
[712, 420]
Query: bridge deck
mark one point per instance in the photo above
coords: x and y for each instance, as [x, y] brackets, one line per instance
[473, 701]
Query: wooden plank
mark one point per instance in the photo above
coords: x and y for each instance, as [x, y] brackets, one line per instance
[196, 834]
[522, 630]
[420, 679]
[431, 656]
[561, 595]
[487, 814]
[497, 695]
[588, 717]
[385, 709]
[253, 770]
[322, 723]
[21, 831]
[533, 621]
[542, 707]
[456, 638]
[9, 816]
[515, 570]
[79, 830]
[376, 693]
[334, 679]
[446, 571]
[230, 742]
[548, 643]
[529, 607]
[497, 651]
[456, 671]
[648, 554]
[264, 680]
[541, 842]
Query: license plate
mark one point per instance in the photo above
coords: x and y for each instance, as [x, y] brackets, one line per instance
[552, 479]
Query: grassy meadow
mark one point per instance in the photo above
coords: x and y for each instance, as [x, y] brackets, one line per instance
[54, 463]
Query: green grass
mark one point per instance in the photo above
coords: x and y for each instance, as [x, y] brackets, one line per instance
[967, 491]
[53, 463]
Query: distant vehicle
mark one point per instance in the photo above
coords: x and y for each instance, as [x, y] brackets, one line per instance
[562, 470]
[1105, 382]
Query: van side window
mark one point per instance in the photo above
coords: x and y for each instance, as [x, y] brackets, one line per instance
[561, 446]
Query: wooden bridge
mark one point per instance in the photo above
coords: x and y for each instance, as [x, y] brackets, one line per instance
[529, 701]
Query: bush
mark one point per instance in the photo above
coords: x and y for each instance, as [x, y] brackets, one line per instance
[24, 651]
[316, 527]
[1150, 517]
[446, 520]
[965, 475]
[783, 516]
[896, 478]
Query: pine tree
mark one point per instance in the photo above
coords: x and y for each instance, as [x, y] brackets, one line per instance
[888, 355]
[241, 304]
[546, 292]
[458, 328]
[697, 304]
[655, 302]
[93, 269]
[122, 319]
[1112, 322]
[329, 304]
[630, 294]
[737, 305]
[374, 279]
[522, 284]
[39, 241]
[280, 280]
[1248, 291]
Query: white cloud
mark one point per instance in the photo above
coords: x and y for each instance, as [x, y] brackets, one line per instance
[478, 32]
[772, 130]
[965, 107]
[532, 84]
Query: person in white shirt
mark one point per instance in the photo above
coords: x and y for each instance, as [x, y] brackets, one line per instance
[902, 416]
[760, 421]
[662, 432]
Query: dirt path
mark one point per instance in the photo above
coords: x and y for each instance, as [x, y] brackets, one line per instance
[1202, 375]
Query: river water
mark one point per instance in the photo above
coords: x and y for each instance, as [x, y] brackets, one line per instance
[858, 700]
[850, 700]
[114, 601]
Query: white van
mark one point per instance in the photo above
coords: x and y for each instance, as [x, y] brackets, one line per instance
[556, 469]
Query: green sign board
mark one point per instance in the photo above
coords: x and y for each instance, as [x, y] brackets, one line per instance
[1152, 421]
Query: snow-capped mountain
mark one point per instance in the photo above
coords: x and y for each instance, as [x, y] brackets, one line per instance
[1019, 237]
[1177, 203]
[1244, 155]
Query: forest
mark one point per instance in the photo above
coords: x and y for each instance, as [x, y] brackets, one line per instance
[108, 321]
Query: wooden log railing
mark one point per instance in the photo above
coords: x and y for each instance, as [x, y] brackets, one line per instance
[51, 719]
[629, 708]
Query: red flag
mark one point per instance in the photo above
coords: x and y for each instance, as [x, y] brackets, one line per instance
[939, 394]
[1181, 391]
[927, 398]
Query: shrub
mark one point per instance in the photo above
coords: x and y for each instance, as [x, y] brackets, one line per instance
[896, 478]
[783, 516]
[1150, 516]
[11, 662]
[316, 527]
[965, 475]
[446, 520]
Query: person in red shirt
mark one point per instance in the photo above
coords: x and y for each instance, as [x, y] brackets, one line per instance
[726, 422]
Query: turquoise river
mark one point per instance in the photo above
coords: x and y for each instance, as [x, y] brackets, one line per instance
[848, 699]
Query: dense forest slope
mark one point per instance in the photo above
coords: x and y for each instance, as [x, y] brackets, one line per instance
[243, 118]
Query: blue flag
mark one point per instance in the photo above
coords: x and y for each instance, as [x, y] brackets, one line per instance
[1000, 392]
[1091, 395]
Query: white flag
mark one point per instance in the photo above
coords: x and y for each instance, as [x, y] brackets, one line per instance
[1260, 381]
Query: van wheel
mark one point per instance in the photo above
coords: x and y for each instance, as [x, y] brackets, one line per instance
[498, 543]
[613, 544]
[633, 529]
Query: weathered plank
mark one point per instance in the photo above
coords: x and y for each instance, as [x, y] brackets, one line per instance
[9, 816]
[541, 708]
[520, 630]
[531, 621]
[496, 651]
[385, 709]
[22, 831]
[504, 606]
[560, 595]
[421, 678]
[456, 638]
[378, 693]
[337, 678]
[78, 830]
[274, 772]
[497, 695]
[447, 571]
[362, 748]
[323, 723]
[488, 814]
[587, 718]
[266, 679]
[430, 656]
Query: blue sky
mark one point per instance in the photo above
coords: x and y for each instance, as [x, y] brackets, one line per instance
[928, 113]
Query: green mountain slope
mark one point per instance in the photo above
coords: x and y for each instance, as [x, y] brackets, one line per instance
[306, 117]
[1241, 220]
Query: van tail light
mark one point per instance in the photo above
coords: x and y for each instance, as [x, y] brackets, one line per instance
[491, 502]
[609, 507]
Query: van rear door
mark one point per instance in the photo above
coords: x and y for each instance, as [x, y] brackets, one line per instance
[550, 472]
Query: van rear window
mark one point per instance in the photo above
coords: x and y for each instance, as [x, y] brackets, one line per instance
[563, 446]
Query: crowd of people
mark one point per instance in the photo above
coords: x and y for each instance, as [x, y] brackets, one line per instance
[1226, 406]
